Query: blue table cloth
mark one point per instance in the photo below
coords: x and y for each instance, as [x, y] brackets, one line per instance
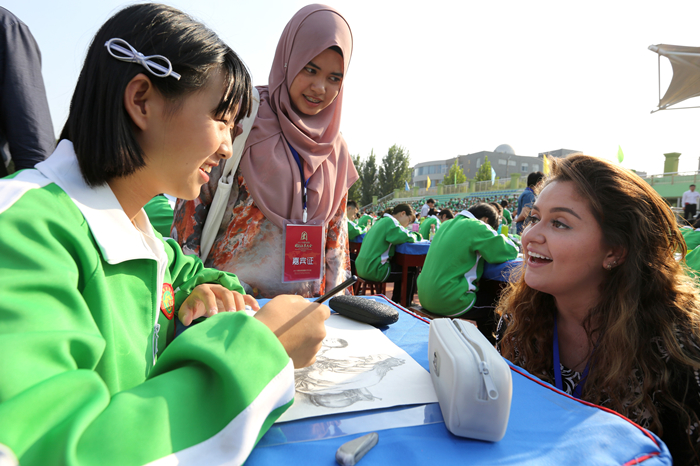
[546, 427]
[501, 272]
[358, 238]
[413, 249]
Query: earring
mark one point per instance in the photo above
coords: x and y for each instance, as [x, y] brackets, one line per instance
[609, 266]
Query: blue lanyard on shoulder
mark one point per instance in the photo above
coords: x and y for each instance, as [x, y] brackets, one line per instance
[557, 368]
[305, 181]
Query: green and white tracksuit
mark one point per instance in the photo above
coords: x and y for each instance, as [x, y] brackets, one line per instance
[364, 220]
[354, 230]
[692, 261]
[507, 217]
[691, 237]
[517, 240]
[378, 247]
[447, 284]
[424, 229]
[91, 373]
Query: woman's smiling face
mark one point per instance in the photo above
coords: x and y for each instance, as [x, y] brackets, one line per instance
[563, 246]
[318, 83]
[183, 146]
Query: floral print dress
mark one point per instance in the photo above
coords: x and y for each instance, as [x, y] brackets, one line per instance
[252, 247]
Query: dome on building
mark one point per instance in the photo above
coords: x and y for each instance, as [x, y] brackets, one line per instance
[505, 149]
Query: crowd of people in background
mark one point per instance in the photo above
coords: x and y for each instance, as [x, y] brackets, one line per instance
[477, 238]
[455, 204]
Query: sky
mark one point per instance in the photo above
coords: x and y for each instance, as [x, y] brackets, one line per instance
[448, 78]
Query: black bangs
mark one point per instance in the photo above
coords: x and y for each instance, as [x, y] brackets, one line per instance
[238, 88]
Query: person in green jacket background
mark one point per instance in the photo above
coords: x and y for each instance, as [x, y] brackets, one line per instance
[691, 235]
[430, 219]
[445, 215]
[92, 373]
[692, 261]
[354, 230]
[374, 260]
[449, 281]
[507, 215]
[436, 219]
[364, 220]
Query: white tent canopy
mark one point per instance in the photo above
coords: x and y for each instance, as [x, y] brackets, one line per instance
[686, 74]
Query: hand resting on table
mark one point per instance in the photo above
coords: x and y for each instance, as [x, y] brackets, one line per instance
[209, 299]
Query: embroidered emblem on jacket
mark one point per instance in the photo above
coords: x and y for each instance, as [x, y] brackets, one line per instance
[167, 303]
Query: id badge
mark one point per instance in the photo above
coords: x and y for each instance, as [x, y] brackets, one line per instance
[303, 252]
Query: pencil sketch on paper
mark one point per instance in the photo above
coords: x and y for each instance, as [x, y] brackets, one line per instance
[338, 383]
[358, 368]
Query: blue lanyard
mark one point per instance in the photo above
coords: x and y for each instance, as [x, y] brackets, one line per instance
[557, 369]
[306, 181]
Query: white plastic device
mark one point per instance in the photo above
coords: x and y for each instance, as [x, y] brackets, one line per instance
[472, 381]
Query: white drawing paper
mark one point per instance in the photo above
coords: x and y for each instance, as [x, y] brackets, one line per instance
[358, 368]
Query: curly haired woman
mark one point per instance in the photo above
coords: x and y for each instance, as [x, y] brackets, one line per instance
[602, 309]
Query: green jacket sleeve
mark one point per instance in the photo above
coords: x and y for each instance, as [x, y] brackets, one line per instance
[425, 227]
[227, 374]
[355, 230]
[399, 235]
[160, 214]
[188, 271]
[692, 239]
[494, 248]
[507, 217]
[692, 261]
[70, 393]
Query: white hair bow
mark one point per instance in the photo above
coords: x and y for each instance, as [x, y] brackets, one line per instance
[129, 54]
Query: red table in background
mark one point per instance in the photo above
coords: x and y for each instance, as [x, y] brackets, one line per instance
[413, 255]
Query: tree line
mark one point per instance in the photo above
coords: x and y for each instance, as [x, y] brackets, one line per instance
[395, 171]
[455, 175]
[380, 180]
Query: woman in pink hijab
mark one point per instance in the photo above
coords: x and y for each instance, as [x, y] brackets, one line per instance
[296, 130]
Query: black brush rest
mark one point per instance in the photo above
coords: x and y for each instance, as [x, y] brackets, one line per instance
[364, 310]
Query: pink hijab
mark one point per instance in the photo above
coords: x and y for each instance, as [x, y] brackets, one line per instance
[268, 166]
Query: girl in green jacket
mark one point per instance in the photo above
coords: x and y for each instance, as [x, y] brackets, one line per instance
[374, 260]
[91, 372]
[430, 219]
[354, 230]
[691, 235]
[448, 283]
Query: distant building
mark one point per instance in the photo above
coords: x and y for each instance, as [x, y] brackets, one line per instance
[559, 153]
[435, 169]
[503, 160]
